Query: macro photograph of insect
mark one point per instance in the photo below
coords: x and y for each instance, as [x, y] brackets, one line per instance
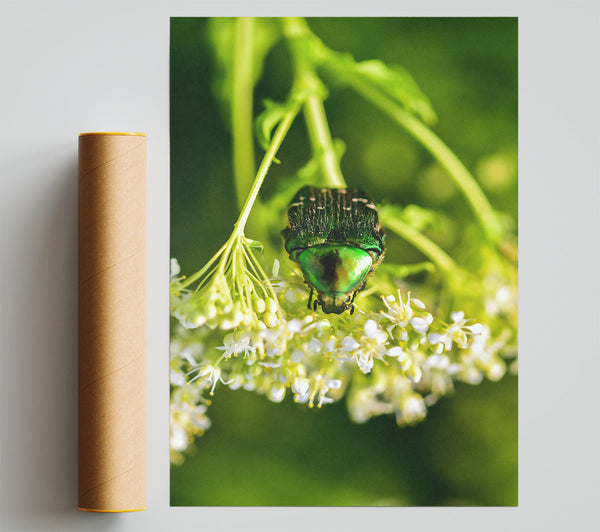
[344, 262]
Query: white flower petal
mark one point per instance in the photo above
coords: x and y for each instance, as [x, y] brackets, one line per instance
[415, 374]
[436, 338]
[236, 383]
[496, 371]
[472, 376]
[371, 328]
[302, 398]
[294, 326]
[179, 439]
[270, 364]
[417, 303]
[454, 369]
[478, 328]
[503, 295]
[300, 385]
[395, 351]
[277, 393]
[330, 345]
[437, 361]
[365, 362]
[349, 344]
[324, 400]
[334, 384]
[322, 325]
[459, 315]
[315, 345]
[202, 422]
[177, 378]
[297, 356]
[419, 324]
[413, 409]
[175, 268]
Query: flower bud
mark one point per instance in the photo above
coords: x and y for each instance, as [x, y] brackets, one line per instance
[272, 305]
[277, 392]
[270, 319]
[300, 385]
[414, 373]
[260, 305]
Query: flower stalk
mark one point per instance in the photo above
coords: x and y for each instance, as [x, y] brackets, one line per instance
[233, 288]
[314, 110]
[241, 108]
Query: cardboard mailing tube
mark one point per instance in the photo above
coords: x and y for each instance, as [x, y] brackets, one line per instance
[112, 322]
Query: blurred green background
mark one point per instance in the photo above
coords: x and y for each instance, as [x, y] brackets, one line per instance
[260, 453]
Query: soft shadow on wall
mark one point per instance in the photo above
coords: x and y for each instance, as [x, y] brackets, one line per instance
[38, 379]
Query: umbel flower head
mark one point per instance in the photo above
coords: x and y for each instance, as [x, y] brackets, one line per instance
[244, 331]
[234, 293]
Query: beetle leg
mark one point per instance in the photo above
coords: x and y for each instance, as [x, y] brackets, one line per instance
[353, 296]
[315, 305]
[351, 309]
[310, 296]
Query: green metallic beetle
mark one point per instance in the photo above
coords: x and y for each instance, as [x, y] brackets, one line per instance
[335, 237]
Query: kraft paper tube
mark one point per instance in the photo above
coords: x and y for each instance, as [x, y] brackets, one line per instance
[112, 322]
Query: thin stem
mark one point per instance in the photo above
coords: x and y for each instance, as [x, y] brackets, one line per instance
[239, 226]
[431, 250]
[320, 139]
[241, 108]
[266, 286]
[280, 134]
[449, 161]
[193, 278]
[305, 77]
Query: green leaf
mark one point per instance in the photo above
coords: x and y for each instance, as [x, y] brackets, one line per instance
[254, 244]
[393, 81]
[419, 218]
[268, 120]
[275, 112]
[399, 85]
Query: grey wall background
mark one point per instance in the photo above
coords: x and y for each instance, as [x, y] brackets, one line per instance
[68, 67]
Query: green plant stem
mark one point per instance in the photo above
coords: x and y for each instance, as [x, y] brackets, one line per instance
[306, 78]
[238, 231]
[431, 250]
[449, 161]
[278, 137]
[193, 278]
[241, 108]
[321, 141]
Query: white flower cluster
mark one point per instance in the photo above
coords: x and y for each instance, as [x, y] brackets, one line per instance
[230, 295]
[394, 358]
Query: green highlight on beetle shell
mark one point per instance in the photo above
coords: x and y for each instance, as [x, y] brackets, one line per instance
[335, 237]
[335, 271]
